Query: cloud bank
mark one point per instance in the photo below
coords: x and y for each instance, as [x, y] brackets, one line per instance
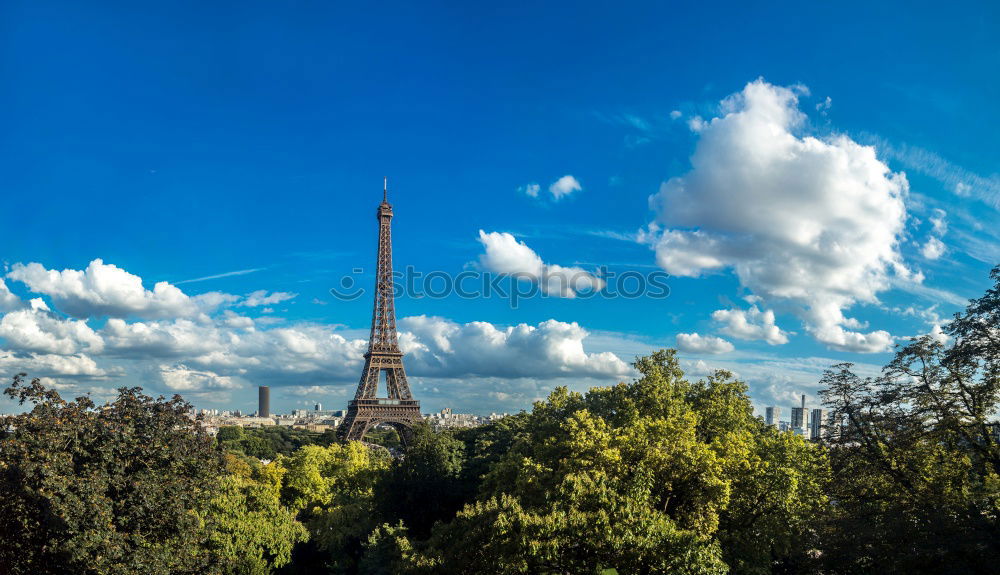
[200, 346]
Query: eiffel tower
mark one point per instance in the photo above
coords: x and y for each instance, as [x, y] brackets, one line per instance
[399, 409]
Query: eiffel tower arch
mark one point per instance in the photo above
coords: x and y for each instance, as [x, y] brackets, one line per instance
[397, 408]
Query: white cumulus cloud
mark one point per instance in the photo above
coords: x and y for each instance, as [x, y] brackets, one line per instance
[180, 378]
[696, 343]
[39, 330]
[750, 324]
[8, 301]
[439, 347]
[815, 223]
[52, 365]
[530, 190]
[104, 289]
[939, 222]
[933, 249]
[564, 186]
[211, 353]
[505, 254]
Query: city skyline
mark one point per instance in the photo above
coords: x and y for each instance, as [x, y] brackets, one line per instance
[189, 191]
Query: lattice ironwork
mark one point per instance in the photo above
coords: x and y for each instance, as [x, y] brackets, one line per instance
[399, 408]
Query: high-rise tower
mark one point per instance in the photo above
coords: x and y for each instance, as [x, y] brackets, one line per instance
[800, 419]
[773, 415]
[398, 409]
[818, 424]
[263, 401]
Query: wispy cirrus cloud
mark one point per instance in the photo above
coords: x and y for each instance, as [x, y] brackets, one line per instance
[958, 180]
[220, 276]
[263, 298]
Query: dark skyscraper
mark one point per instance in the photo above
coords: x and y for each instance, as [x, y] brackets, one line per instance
[264, 403]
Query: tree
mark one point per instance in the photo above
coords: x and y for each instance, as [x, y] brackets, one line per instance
[637, 477]
[259, 447]
[778, 482]
[230, 433]
[425, 485]
[388, 551]
[118, 488]
[333, 488]
[916, 461]
[485, 445]
[267, 442]
[249, 527]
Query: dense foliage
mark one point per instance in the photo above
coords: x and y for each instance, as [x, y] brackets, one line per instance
[267, 443]
[111, 490]
[134, 486]
[661, 475]
[918, 460]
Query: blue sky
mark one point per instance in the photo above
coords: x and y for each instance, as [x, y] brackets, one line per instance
[824, 176]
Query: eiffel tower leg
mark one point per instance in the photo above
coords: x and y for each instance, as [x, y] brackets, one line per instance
[405, 434]
[358, 430]
[402, 384]
[344, 429]
[395, 380]
[391, 383]
[353, 428]
[368, 386]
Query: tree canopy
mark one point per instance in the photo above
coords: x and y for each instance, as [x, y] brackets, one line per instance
[132, 486]
[664, 474]
[915, 452]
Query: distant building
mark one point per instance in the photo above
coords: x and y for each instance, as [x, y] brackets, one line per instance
[319, 407]
[448, 419]
[799, 417]
[772, 415]
[819, 424]
[264, 401]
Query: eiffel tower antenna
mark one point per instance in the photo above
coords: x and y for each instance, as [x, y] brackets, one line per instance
[398, 409]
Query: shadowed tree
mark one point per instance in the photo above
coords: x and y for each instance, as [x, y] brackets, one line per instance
[118, 488]
[916, 462]
[426, 484]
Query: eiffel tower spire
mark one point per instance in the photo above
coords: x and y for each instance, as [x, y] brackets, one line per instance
[398, 409]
